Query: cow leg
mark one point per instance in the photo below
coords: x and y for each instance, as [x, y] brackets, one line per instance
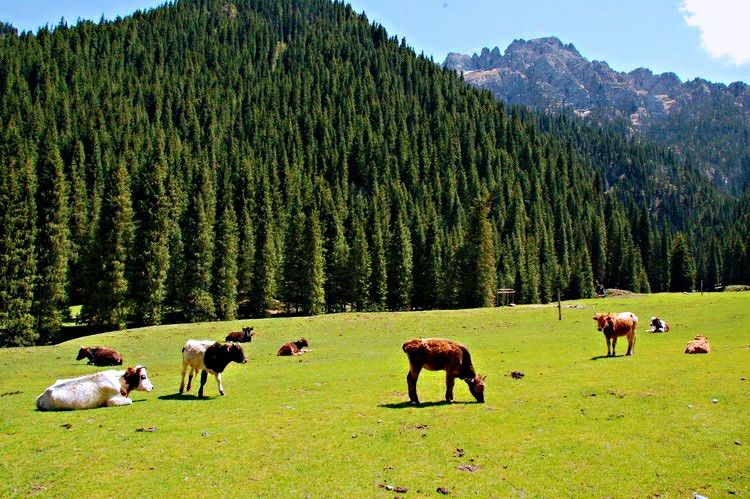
[614, 344]
[118, 400]
[609, 347]
[192, 374]
[204, 377]
[631, 343]
[218, 380]
[182, 383]
[411, 381]
[450, 380]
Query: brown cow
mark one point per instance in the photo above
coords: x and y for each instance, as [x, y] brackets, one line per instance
[244, 336]
[698, 345]
[616, 325]
[436, 354]
[294, 347]
[100, 356]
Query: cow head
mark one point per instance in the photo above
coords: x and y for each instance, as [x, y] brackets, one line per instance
[247, 333]
[136, 378]
[302, 343]
[476, 387]
[236, 354]
[601, 321]
[83, 353]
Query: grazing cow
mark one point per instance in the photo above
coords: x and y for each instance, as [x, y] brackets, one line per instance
[615, 325]
[105, 388]
[244, 336]
[442, 355]
[208, 357]
[698, 345]
[294, 347]
[100, 356]
[658, 325]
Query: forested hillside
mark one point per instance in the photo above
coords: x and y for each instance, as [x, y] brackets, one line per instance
[209, 158]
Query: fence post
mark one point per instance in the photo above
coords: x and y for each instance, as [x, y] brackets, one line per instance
[559, 306]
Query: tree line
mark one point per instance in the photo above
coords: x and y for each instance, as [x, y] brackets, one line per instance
[207, 160]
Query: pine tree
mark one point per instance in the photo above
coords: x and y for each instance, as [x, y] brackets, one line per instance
[291, 289]
[313, 294]
[582, 285]
[477, 259]
[17, 253]
[227, 247]
[360, 265]
[80, 231]
[338, 276]
[379, 283]
[50, 294]
[400, 283]
[199, 248]
[114, 238]
[263, 290]
[151, 259]
[682, 268]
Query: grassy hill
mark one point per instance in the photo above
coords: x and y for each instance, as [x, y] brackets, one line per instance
[334, 422]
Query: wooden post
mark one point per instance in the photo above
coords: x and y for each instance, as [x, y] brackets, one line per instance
[559, 306]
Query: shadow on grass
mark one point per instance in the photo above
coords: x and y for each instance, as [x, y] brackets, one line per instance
[404, 405]
[184, 396]
[609, 357]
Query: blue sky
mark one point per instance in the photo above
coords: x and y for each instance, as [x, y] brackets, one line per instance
[627, 34]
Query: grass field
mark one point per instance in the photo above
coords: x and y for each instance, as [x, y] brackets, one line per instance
[334, 422]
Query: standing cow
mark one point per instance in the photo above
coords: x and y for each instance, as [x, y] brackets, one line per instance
[436, 354]
[616, 325]
[208, 357]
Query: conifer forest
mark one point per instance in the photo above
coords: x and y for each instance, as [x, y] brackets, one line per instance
[214, 159]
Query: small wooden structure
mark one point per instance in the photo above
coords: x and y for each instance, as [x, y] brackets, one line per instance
[505, 296]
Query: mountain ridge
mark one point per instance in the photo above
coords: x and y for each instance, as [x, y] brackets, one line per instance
[705, 123]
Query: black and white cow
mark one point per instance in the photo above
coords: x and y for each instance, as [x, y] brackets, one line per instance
[208, 357]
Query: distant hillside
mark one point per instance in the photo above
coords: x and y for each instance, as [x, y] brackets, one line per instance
[210, 159]
[706, 123]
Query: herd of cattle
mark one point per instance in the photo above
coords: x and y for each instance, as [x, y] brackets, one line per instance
[111, 388]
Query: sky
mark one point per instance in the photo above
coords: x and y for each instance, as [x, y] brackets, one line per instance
[692, 38]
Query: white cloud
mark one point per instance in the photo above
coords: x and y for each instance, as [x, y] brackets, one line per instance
[723, 25]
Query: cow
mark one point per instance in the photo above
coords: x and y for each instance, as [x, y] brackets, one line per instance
[658, 325]
[105, 388]
[100, 356]
[435, 354]
[698, 345]
[244, 336]
[615, 325]
[208, 357]
[294, 347]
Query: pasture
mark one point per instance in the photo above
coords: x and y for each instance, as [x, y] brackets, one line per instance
[335, 422]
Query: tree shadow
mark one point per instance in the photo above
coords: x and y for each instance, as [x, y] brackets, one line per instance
[184, 396]
[404, 405]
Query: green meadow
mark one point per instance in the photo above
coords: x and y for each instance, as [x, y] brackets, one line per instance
[335, 422]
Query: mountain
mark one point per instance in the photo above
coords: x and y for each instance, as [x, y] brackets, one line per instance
[210, 159]
[706, 123]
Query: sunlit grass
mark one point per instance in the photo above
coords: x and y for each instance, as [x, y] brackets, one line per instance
[334, 422]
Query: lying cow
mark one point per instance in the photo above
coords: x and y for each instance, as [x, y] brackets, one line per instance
[244, 336]
[615, 325]
[100, 356]
[105, 388]
[294, 347]
[698, 345]
[442, 355]
[658, 325]
[208, 357]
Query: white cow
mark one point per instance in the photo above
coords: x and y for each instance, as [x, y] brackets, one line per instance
[105, 388]
[208, 357]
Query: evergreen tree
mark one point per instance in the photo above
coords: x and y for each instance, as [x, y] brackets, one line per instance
[478, 277]
[379, 284]
[151, 259]
[582, 285]
[360, 264]
[50, 294]
[313, 294]
[682, 268]
[80, 232]
[263, 290]
[400, 284]
[114, 237]
[17, 253]
[227, 248]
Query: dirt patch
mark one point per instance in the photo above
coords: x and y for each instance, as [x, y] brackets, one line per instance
[415, 427]
[443, 490]
[7, 394]
[516, 374]
[468, 467]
